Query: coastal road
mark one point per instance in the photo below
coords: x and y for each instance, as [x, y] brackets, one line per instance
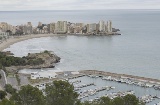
[3, 80]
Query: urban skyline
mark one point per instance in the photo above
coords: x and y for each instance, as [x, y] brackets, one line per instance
[59, 27]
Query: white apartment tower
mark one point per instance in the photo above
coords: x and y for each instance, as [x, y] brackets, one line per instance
[61, 27]
[29, 28]
[102, 26]
[109, 26]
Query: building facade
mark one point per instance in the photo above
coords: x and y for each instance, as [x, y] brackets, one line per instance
[102, 26]
[61, 27]
[92, 28]
[109, 26]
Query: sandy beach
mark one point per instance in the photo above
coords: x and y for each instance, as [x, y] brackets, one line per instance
[12, 40]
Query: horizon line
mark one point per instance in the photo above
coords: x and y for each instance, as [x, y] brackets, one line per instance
[73, 10]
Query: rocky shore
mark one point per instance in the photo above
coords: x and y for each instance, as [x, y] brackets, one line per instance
[45, 59]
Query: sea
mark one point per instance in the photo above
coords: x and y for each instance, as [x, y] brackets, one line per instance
[136, 51]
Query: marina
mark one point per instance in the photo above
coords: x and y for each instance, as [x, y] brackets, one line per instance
[92, 85]
[124, 78]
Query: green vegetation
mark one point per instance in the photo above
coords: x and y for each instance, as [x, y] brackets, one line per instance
[1, 37]
[35, 61]
[28, 95]
[0, 76]
[126, 100]
[46, 51]
[6, 102]
[58, 93]
[9, 89]
[61, 93]
[7, 61]
[2, 94]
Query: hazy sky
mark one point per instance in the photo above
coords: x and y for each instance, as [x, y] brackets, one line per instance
[77, 4]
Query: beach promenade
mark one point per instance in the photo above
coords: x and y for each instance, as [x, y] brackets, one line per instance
[6, 43]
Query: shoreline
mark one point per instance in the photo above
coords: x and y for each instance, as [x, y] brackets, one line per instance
[15, 39]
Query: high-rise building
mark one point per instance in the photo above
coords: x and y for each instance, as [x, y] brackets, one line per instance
[109, 26]
[24, 29]
[29, 28]
[52, 27]
[13, 30]
[61, 27]
[39, 23]
[29, 24]
[102, 26]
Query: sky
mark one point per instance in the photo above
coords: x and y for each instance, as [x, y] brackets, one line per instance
[14, 5]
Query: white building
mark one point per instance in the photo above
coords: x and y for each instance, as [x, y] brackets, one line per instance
[3, 33]
[61, 27]
[109, 26]
[43, 74]
[91, 28]
[5, 26]
[102, 26]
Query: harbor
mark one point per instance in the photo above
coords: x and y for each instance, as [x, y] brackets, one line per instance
[92, 85]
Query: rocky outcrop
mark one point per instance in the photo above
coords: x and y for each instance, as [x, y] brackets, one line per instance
[45, 59]
[49, 58]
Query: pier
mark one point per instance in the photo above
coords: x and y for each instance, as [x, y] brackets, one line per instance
[116, 75]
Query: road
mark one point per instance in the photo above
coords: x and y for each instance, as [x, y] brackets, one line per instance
[3, 80]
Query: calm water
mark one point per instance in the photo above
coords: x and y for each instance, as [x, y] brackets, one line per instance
[119, 87]
[135, 52]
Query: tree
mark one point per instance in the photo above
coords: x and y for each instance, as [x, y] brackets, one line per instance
[9, 31]
[86, 103]
[0, 65]
[9, 89]
[130, 100]
[0, 76]
[118, 101]
[105, 101]
[2, 94]
[61, 93]
[28, 95]
[6, 102]
[126, 100]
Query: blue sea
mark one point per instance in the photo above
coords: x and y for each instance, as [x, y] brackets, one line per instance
[135, 52]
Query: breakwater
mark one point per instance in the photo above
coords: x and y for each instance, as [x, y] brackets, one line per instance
[142, 81]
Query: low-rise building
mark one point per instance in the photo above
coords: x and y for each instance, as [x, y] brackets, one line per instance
[43, 74]
[78, 28]
[6, 28]
[92, 28]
